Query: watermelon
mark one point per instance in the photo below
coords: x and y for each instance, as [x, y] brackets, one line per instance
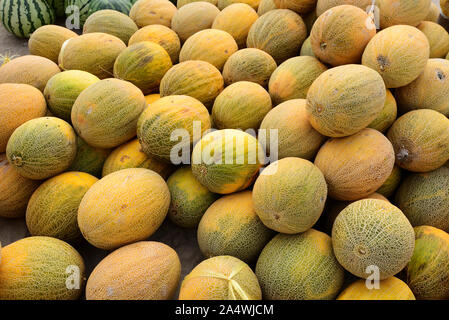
[58, 7]
[118, 5]
[83, 10]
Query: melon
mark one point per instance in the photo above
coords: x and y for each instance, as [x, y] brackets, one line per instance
[391, 184]
[143, 64]
[182, 3]
[242, 105]
[399, 53]
[279, 32]
[427, 273]
[306, 48]
[145, 270]
[43, 268]
[421, 140]
[373, 236]
[63, 88]
[226, 161]
[295, 136]
[198, 79]
[105, 114]
[389, 289]
[299, 267]
[221, 278]
[222, 4]
[92, 52]
[438, 38]
[146, 12]
[41, 148]
[162, 35]
[324, 5]
[29, 69]
[387, 116]
[88, 159]
[444, 4]
[434, 13]
[301, 6]
[122, 6]
[53, 207]
[193, 17]
[47, 41]
[18, 104]
[410, 12]
[168, 120]
[293, 78]
[265, 6]
[249, 64]
[77, 12]
[345, 99]
[150, 98]
[125, 206]
[130, 155]
[356, 166]
[15, 190]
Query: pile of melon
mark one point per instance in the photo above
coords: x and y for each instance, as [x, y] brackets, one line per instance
[306, 142]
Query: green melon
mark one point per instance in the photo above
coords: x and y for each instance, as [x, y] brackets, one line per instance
[306, 48]
[58, 7]
[88, 159]
[387, 116]
[123, 6]
[391, 184]
[77, 11]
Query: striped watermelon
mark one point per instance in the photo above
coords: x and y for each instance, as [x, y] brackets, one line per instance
[58, 7]
[118, 5]
[22, 17]
[83, 7]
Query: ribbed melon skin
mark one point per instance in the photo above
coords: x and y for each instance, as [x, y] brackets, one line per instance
[39, 267]
[299, 267]
[146, 12]
[387, 116]
[410, 12]
[389, 289]
[392, 183]
[88, 159]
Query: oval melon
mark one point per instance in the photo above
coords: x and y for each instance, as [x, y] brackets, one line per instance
[444, 4]
[222, 4]
[265, 6]
[182, 3]
[301, 6]
[324, 5]
[438, 38]
[387, 116]
[389, 289]
[146, 12]
[306, 48]
[410, 12]
[434, 13]
[391, 184]
[88, 159]
[152, 98]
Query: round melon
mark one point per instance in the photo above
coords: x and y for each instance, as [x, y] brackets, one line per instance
[18, 104]
[444, 4]
[152, 98]
[387, 116]
[427, 274]
[391, 184]
[306, 48]
[398, 53]
[221, 278]
[242, 105]
[222, 4]
[105, 114]
[279, 32]
[265, 6]
[421, 140]
[299, 267]
[226, 161]
[389, 289]
[29, 69]
[63, 88]
[299, 6]
[434, 13]
[123, 207]
[146, 12]
[438, 38]
[41, 148]
[249, 65]
[356, 166]
[293, 78]
[324, 5]
[145, 270]
[182, 3]
[88, 159]
[43, 268]
[53, 207]
[143, 64]
[373, 236]
[345, 99]
[92, 52]
[410, 12]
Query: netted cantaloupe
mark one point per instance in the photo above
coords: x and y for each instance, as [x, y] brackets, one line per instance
[29, 69]
[47, 41]
[198, 79]
[391, 184]
[387, 116]
[230, 226]
[157, 124]
[399, 53]
[162, 35]
[340, 35]
[438, 38]
[299, 6]
[145, 270]
[265, 6]
[125, 206]
[221, 278]
[226, 161]
[42, 147]
[279, 32]
[373, 236]
[146, 12]
[130, 155]
[18, 104]
[293, 78]
[306, 48]
[105, 114]
[63, 88]
[53, 208]
[356, 166]
[345, 99]
[421, 140]
[324, 5]
[211, 45]
[242, 105]
[434, 13]
[222, 4]
[427, 274]
[389, 289]
[429, 91]
[41, 268]
[236, 19]
[189, 198]
[410, 12]
[88, 159]
[143, 64]
[182, 3]
[193, 17]
[299, 267]
[92, 52]
[249, 64]
[15, 190]
[289, 195]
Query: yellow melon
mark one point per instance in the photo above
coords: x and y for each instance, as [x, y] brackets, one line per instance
[438, 38]
[152, 97]
[222, 4]
[410, 12]
[302, 6]
[387, 116]
[182, 3]
[324, 5]
[434, 13]
[265, 6]
[391, 184]
[389, 289]
[146, 12]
